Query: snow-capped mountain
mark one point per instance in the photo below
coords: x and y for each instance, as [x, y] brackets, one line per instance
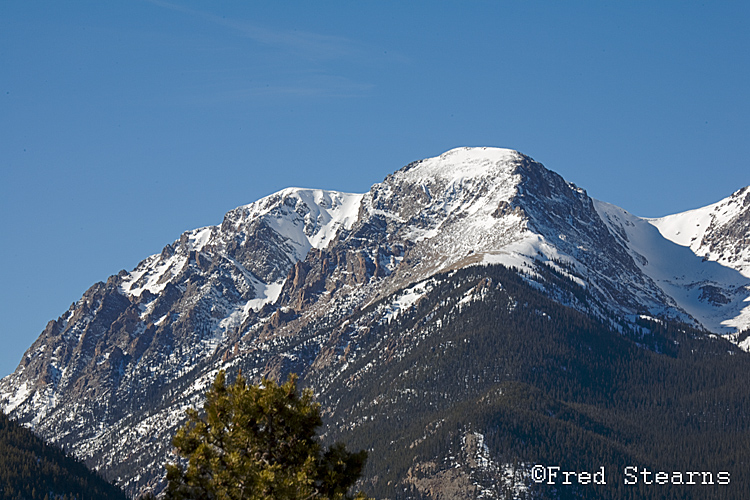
[485, 206]
[277, 285]
[718, 232]
[698, 258]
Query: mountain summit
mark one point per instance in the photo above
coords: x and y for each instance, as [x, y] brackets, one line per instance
[301, 280]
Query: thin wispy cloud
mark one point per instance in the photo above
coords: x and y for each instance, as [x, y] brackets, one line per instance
[306, 44]
[286, 63]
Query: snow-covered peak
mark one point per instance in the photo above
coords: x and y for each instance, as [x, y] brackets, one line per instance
[450, 200]
[461, 163]
[717, 232]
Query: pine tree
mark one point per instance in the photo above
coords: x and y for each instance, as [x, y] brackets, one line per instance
[259, 442]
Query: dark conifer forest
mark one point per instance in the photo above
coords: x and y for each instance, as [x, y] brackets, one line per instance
[30, 469]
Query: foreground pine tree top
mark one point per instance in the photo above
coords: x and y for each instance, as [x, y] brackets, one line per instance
[257, 442]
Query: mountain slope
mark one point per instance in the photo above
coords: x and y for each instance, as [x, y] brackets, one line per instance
[718, 232]
[310, 281]
[460, 394]
[714, 294]
[31, 469]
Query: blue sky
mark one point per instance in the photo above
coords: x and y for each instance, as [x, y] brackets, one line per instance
[124, 124]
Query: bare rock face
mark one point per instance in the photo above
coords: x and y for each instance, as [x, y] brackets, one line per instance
[301, 280]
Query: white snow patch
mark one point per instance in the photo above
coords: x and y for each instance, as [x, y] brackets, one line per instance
[406, 298]
[308, 218]
[198, 238]
[267, 295]
[152, 274]
[20, 395]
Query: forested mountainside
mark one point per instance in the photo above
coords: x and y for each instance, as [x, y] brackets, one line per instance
[614, 329]
[30, 469]
[485, 377]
